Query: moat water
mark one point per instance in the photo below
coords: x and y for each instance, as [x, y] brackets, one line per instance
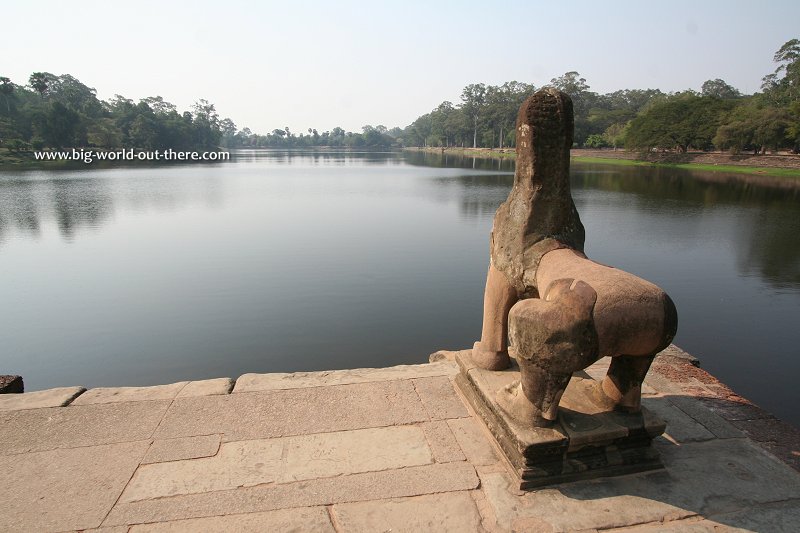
[279, 262]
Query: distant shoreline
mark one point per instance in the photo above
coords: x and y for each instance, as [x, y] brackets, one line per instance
[773, 165]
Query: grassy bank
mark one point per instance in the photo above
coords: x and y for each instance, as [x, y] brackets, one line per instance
[738, 169]
[779, 166]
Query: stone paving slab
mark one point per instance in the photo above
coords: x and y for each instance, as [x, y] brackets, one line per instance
[74, 426]
[553, 510]
[413, 481]
[259, 415]
[207, 387]
[473, 441]
[701, 478]
[283, 460]
[680, 426]
[59, 490]
[299, 380]
[162, 451]
[185, 463]
[129, 394]
[781, 517]
[442, 442]
[302, 519]
[58, 397]
[714, 423]
[439, 398]
[452, 511]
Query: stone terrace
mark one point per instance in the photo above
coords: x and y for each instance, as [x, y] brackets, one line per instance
[371, 450]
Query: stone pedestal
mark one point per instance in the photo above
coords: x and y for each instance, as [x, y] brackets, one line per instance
[587, 441]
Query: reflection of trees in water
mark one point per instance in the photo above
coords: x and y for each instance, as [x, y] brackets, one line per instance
[316, 157]
[662, 183]
[773, 249]
[18, 209]
[81, 203]
[430, 159]
[768, 219]
[479, 195]
[72, 203]
[767, 228]
[75, 203]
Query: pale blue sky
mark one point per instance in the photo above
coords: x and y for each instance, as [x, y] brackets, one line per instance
[308, 64]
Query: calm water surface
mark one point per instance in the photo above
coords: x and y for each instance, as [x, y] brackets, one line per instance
[286, 262]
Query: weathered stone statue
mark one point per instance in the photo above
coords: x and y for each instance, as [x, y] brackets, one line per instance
[560, 310]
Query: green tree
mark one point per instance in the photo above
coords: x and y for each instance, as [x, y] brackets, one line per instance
[753, 127]
[104, 133]
[680, 122]
[61, 127]
[75, 95]
[473, 99]
[6, 89]
[719, 89]
[41, 82]
[582, 102]
[596, 141]
[782, 87]
[614, 135]
[207, 133]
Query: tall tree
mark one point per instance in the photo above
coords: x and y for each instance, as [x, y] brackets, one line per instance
[782, 87]
[473, 99]
[41, 81]
[6, 89]
[719, 89]
[582, 101]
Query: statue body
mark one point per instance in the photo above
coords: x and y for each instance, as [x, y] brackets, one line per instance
[560, 310]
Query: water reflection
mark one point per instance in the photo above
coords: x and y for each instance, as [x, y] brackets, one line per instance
[76, 201]
[767, 219]
[316, 157]
[664, 183]
[80, 203]
[446, 160]
[771, 249]
[298, 260]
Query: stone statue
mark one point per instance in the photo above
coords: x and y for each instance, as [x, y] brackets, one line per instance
[560, 310]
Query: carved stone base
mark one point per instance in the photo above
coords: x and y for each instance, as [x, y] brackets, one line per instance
[587, 441]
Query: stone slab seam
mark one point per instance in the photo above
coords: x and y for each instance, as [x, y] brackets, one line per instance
[485, 511]
[688, 519]
[449, 406]
[332, 517]
[214, 446]
[152, 434]
[445, 449]
[502, 461]
[455, 477]
[427, 413]
[327, 378]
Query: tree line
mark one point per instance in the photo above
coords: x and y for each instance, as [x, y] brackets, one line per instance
[61, 112]
[371, 137]
[718, 116]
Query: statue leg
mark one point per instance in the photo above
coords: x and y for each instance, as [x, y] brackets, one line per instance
[491, 352]
[622, 385]
[535, 397]
[551, 338]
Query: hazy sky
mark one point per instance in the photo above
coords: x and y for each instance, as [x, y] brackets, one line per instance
[320, 64]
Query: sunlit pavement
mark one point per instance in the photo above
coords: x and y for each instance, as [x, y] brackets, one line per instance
[371, 450]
